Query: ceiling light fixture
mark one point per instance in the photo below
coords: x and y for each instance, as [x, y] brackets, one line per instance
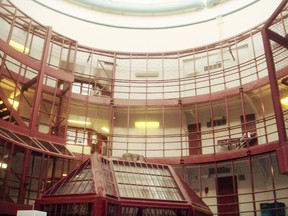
[79, 122]
[284, 101]
[148, 125]
[105, 129]
[19, 47]
[3, 165]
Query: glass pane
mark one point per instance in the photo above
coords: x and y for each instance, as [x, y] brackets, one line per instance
[146, 181]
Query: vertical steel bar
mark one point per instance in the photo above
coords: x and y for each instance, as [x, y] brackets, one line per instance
[274, 90]
[252, 184]
[40, 182]
[24, 174]
[39, 84]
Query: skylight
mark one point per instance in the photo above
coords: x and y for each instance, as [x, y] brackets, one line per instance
[151, 14]
[146, 181]
[147, 1]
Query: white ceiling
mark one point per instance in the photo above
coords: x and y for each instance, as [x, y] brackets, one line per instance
[159, 15]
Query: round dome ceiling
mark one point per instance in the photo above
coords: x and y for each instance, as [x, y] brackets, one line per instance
[146, 14]
[146, 7]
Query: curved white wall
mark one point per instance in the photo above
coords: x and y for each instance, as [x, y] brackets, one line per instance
[136, 40]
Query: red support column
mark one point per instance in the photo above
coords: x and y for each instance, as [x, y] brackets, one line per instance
[274, 90]
[25, 172]
[267, 34]
[40, 182]
[39, 84]
[100, 208]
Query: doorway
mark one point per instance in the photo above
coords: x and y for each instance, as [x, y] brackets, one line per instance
[227, 196]
[194, 136]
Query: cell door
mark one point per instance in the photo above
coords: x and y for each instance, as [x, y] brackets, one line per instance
[227, 196]
[195, 144]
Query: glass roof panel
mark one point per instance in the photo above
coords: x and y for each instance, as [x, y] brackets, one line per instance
[10, 135]
[108, 177]
[35, 142]
[146, 181]
[62, 149]
[80, 181]
[44, 145]
[28, 141]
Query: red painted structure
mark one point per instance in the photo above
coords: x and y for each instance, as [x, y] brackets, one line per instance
[34, 160]
[274, 32]
[102, 186]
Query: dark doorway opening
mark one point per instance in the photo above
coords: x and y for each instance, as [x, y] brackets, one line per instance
[227, 196]
[195, 144]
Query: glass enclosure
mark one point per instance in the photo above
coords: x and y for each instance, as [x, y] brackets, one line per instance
[122, 187]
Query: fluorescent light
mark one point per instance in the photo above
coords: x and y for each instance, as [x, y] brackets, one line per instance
[284, 101]
[14, 103]
[105, 129]
[79, 122]
[3, 165]
[19, 47]
[148, 125]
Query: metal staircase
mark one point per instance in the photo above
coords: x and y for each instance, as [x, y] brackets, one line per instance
[4, 112]
[7, 112]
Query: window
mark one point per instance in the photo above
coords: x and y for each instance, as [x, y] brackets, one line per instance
[77, 136]
[81, 88]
